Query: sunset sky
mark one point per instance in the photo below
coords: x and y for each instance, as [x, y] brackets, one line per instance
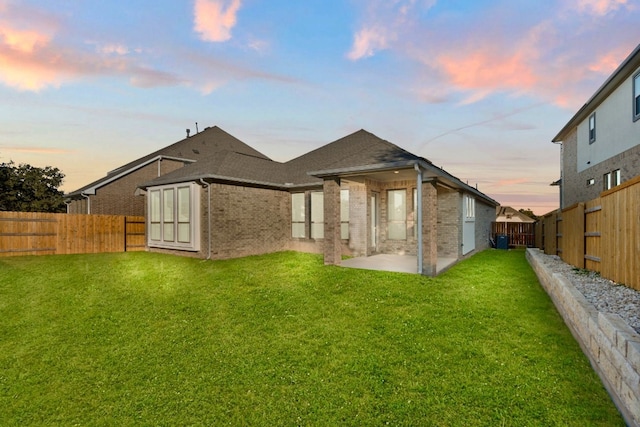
[477, 87]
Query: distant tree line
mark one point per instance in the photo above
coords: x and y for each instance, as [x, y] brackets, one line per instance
[26, 188]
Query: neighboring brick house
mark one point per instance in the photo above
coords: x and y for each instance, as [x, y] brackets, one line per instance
[601, 142]
[115, 194]
[356, 196]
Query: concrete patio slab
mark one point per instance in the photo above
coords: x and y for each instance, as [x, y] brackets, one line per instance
[395, 263]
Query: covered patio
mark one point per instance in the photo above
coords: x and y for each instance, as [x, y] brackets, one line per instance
[395, 263]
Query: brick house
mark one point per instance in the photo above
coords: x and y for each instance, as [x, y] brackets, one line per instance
[601, 142]
[357, 196]
[115, 194]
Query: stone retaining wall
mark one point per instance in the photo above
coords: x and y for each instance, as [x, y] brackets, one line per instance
[612, 346]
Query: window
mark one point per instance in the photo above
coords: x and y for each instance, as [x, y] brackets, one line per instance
[344, 214]
[615, 177]
[606, 180]
[470, 208]
[397, 214]
[317, 215]
[173, 212]
[591, 181]
[611, 179]
[592, 128]
[297, 215]
[636, 97]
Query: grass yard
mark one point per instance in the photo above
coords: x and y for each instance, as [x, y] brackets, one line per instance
[281, 339]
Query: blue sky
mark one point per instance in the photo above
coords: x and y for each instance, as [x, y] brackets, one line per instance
[477, 87]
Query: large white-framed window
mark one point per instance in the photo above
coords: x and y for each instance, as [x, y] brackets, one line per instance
[298, 227]
[636, 96]
[317, 215]
[397, 214]
[174, 216]
[344, 214]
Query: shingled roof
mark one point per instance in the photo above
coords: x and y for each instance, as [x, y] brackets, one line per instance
[361, 149]
[209, 143]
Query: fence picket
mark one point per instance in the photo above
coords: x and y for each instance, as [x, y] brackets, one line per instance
[24, 233]
[609, 228]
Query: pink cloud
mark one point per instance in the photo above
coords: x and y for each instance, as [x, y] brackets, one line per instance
[384, 23]
[511, 182]
[23, 40]
[600, 7]
[553, 52]
[213, 19]
[367, 41]
[488, 70]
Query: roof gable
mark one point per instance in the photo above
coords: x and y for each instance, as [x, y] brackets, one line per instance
[359, 149]
[509, 214]
[624, 71]
[209, 142]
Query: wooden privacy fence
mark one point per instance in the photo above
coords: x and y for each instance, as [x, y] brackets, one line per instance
[27, 233]
[602, 234]
[519, 233]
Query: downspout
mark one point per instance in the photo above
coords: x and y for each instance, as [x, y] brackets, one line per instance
[86, 196]
[419, 216]
[561, 173]
[205, 184]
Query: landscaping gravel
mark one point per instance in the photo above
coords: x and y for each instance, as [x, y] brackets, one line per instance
[605, 295]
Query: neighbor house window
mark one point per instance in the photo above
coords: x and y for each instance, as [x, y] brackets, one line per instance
[173, 213]
[397, 214]
[470, 208]
[591, 181]
[297, 215]
[317, 215]
[636, 97]
[615, 177]
[611, 179]
[344, 214]
[592, 128]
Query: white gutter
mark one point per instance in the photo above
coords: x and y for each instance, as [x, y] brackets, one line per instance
[419, 216]
[205, 184]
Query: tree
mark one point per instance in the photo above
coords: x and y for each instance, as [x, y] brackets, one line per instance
[26, 188]
[529, 213]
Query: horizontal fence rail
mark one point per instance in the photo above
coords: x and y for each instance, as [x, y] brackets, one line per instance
[518, 233]
[33, 233]
[601, 235]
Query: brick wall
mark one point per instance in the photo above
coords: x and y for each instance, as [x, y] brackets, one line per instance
[118, 198]
[449, 223]
[575, 188]
[485, 215]
[245, 221]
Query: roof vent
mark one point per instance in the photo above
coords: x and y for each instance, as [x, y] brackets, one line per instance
[188, 132]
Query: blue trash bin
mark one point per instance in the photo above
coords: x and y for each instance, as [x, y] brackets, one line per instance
[502, 241]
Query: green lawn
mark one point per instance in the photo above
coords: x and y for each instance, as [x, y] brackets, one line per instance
[281, 339]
